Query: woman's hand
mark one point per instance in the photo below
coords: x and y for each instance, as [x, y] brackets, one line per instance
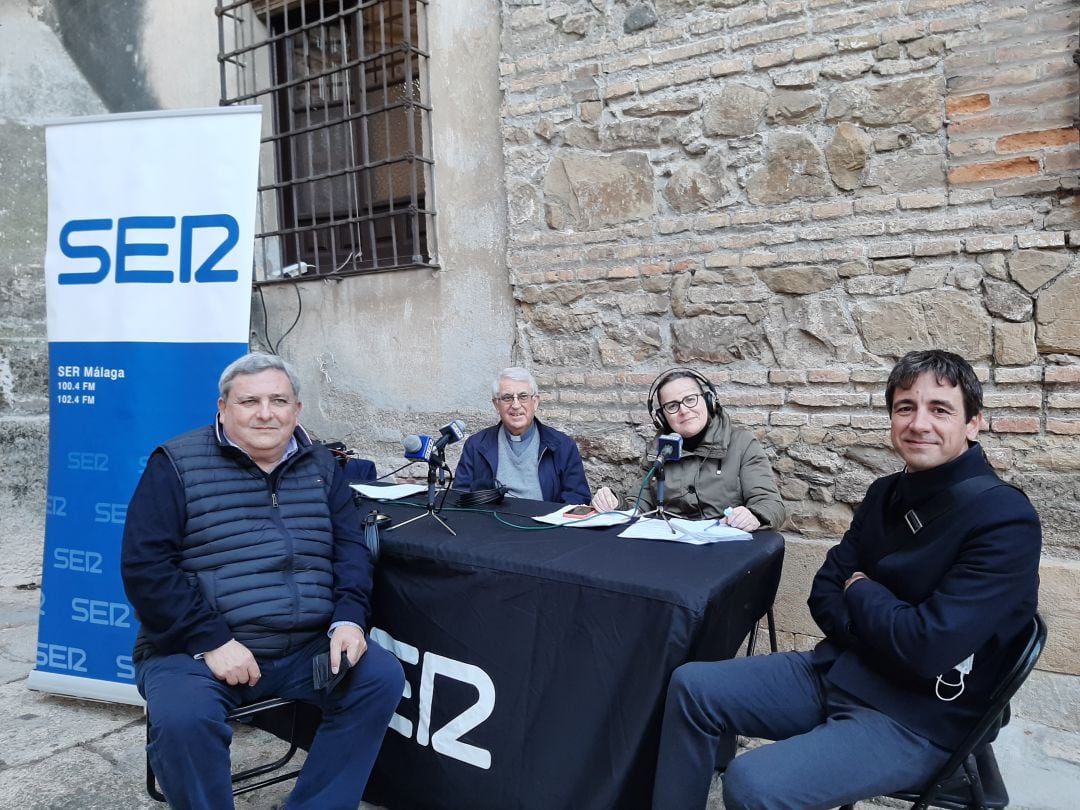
[742, 518]
[605, 500]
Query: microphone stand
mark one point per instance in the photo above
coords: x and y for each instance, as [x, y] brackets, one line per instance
[435, 467]
[659, 511]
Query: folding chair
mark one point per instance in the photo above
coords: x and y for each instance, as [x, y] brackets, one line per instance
[241, 780]
[771, 622]
[971, 779]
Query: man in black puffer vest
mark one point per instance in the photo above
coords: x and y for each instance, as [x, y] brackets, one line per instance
[244, 558]
[923, 604]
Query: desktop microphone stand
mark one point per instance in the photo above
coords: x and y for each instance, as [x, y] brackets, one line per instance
[435, 466]
[659, 511]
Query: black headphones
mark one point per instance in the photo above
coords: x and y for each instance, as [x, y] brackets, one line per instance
[656, 413]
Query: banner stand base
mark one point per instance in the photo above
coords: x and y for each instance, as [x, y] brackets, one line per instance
[86, 688]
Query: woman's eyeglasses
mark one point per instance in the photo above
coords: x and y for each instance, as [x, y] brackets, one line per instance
[687, 402]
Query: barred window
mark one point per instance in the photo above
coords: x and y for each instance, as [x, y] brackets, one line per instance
[345, 172]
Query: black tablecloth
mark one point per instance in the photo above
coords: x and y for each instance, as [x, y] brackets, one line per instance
[573, 630]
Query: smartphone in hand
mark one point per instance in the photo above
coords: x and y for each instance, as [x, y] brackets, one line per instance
[321, 676]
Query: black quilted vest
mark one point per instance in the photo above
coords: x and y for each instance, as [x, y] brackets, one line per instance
[259, 547]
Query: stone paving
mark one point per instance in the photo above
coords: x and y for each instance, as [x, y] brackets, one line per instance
[61, 753]
[58, 752]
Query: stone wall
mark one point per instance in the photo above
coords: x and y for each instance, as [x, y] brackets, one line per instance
[38, 82]
[788, 196]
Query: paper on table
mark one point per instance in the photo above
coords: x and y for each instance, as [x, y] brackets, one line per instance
[556, 518]
[695, 532]
[391, 493]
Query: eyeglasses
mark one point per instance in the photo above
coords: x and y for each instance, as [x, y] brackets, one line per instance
[687, 402]
[507, 399]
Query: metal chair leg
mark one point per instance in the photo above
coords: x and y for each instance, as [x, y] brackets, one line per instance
[151, 781]
[772, 628]
[241, 714]
[771, 623]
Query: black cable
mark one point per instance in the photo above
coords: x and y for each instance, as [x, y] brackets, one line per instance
[371, 533]
[296, 320]
[483, 497]
[491, 512]
[446, 489]
[409, 463]
[497, 515]
[266, 323]
[395, 472]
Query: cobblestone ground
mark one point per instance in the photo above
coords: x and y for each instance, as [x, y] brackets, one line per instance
[58, 753]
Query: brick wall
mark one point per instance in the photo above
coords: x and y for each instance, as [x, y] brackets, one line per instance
[788, 196]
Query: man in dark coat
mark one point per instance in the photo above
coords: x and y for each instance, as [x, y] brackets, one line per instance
[533, 460]
[921, 616]
[244, 559]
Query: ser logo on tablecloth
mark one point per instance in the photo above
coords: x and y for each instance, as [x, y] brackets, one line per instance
[445, 740]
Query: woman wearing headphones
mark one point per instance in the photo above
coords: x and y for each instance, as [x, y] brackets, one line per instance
[722, 465]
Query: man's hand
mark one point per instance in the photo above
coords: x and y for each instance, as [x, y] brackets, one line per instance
[351, 641]
[742, 518]
[233, 663]
[605, 500]
[854, 578]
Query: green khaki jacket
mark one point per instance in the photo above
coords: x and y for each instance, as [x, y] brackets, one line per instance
[728, 468]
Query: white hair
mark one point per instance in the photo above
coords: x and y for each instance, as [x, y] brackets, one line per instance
[516, 374]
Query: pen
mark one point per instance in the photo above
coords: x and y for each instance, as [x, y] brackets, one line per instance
[728, 512]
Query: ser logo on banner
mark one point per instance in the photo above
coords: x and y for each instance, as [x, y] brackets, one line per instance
[73, 659]
[77, 559]
[446, 739]
[100, 611]
[148, 266]
[61, 656]
[126, 247]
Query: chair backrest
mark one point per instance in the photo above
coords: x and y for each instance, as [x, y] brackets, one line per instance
[999, 700]
[1013, 680]
[358, 470]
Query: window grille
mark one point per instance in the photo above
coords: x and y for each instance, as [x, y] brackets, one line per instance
[345, 170]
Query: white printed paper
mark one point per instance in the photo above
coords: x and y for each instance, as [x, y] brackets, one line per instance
[558, 518]
[678, 530]
[394, 492]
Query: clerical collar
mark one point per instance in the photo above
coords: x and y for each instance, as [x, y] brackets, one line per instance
[524, 436]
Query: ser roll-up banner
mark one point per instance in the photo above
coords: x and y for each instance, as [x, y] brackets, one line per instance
[148, 288]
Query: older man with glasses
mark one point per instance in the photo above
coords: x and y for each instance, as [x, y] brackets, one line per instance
[533, 460]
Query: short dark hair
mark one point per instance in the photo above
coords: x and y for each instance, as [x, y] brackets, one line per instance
[946, 367]
[677, 374]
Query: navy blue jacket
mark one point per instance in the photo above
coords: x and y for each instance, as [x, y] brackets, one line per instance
[561, 473]
[968, 585]
[167, 581]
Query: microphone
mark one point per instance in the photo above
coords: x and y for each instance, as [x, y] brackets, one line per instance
[417, 448]
[668, 448]
[453, 432]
